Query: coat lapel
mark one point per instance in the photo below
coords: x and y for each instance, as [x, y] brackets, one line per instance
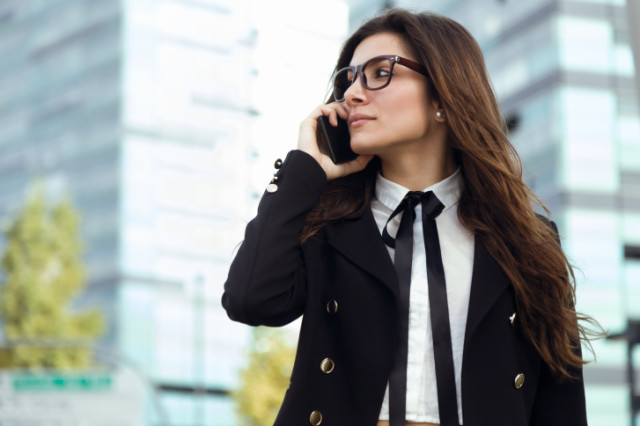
[487, 284]
[359, 241]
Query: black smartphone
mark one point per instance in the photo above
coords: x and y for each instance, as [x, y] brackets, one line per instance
[337, 139]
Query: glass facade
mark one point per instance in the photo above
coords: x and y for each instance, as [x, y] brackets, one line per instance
[59, 111]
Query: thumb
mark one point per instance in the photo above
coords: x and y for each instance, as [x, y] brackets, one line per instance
[353, 166]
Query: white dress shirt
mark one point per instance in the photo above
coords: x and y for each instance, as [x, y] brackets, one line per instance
[456, 245]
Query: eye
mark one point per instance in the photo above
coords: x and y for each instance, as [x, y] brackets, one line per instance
[377, 71]
[382, 72]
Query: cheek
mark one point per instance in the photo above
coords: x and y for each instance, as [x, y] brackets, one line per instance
[411, 114]
[411, 97]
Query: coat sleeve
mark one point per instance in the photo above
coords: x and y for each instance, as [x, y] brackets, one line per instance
[266, 284]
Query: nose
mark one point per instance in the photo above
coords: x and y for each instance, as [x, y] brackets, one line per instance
[356, 93]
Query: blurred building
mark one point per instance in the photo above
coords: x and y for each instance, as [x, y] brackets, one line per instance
[564, 74]
[161, 119]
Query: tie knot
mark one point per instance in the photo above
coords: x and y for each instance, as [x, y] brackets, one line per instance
[431, 208]
[430, 203]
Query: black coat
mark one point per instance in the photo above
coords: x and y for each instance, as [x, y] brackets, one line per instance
[344, 284]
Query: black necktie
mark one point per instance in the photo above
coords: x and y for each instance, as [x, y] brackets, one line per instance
[441, 332]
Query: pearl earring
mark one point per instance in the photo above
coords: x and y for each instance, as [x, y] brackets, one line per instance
[439, 114]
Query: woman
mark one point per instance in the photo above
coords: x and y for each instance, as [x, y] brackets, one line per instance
[329, 243]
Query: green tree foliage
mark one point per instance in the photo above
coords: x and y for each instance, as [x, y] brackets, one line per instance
[265, 379]
[42, 274]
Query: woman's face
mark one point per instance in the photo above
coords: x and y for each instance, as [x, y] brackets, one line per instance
[396, 117]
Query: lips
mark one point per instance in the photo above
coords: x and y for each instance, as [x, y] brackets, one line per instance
[356, 120]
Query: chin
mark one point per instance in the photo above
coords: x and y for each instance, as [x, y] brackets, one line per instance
[360, 146]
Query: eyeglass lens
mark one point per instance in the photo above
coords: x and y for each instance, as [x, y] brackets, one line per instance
[375, 74]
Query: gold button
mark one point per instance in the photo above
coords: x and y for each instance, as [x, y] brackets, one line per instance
[272, 187]
[278, 163]
[332, 307]
[315, 418]
[512, 319]
[327, 365]
[519, 381]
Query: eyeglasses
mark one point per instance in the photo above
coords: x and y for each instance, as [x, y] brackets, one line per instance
[375, 74]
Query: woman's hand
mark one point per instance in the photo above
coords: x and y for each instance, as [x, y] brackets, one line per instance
[307, 141]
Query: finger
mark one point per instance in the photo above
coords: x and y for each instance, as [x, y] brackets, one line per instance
[359, 163]
[332, 111]
[333, 117]
[342, 110]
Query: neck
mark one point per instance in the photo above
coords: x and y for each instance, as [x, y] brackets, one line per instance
[419, 168]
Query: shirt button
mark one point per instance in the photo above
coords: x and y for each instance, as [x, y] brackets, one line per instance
[332, 307]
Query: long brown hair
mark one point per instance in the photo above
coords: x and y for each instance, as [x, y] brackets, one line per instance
[495, 203]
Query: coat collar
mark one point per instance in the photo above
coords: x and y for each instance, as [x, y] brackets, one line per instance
[359, 241]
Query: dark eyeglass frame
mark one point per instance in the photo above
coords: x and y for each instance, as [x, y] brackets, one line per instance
[357, 71]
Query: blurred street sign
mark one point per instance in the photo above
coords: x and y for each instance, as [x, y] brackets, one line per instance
[100, 398]
[61, 382]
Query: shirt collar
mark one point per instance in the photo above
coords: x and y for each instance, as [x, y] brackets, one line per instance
[447, 190]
